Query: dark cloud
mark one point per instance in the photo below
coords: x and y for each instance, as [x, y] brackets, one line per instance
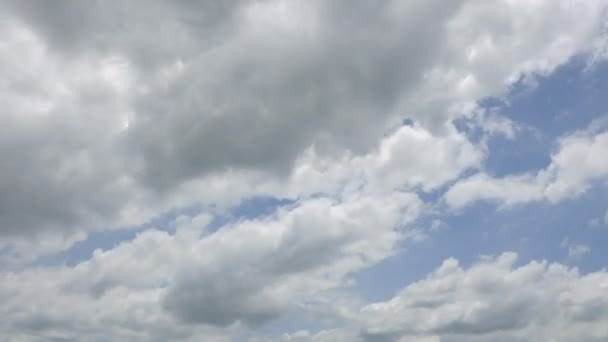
[206, 86]
[261, 98]
[150, 33]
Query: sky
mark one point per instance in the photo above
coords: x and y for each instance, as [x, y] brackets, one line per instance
[277, 170]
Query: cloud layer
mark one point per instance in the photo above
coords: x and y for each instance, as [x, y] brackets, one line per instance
[159, 118]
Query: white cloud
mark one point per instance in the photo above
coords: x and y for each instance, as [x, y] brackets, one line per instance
[579, 162]
[250, 272]
[576, 251]
[408, 158]
[509, 190]
[494, 300]
[299, 253]
[581, 159]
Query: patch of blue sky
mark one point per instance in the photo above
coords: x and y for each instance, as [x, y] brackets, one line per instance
[565, 101]
[107, 239]
[292, 321]
[83, 250]
[312, 316]
[248, 209]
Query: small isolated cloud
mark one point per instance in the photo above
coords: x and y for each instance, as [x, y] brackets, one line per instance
[435, 225]
[578, 251]
[575, 250]
[594, 222]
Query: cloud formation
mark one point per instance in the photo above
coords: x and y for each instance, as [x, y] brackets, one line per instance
[117, 116]
[579, 162]
[217, 278]
[494, 300]
[132, 101]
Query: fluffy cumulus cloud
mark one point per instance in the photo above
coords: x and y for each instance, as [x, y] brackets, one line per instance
[241, 278]
[117, 116]
[248, 272]
[494, 300]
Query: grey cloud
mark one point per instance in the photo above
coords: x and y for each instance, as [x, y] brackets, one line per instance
[51, 162]
[250, 97]
[238, 86]
[260, 99]
[149, 32]
[60, 173]
[35, 188]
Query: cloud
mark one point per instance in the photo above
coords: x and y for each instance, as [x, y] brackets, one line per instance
[341, 84]
[319, 83]
[249, 272]
[577, 251]
[578, 163]
[59, 124]
[303, 251]
[400, 162]
[114, 114]
[150, 33]
[494, 300]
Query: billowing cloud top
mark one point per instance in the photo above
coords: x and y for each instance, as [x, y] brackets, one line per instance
[229, 170]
